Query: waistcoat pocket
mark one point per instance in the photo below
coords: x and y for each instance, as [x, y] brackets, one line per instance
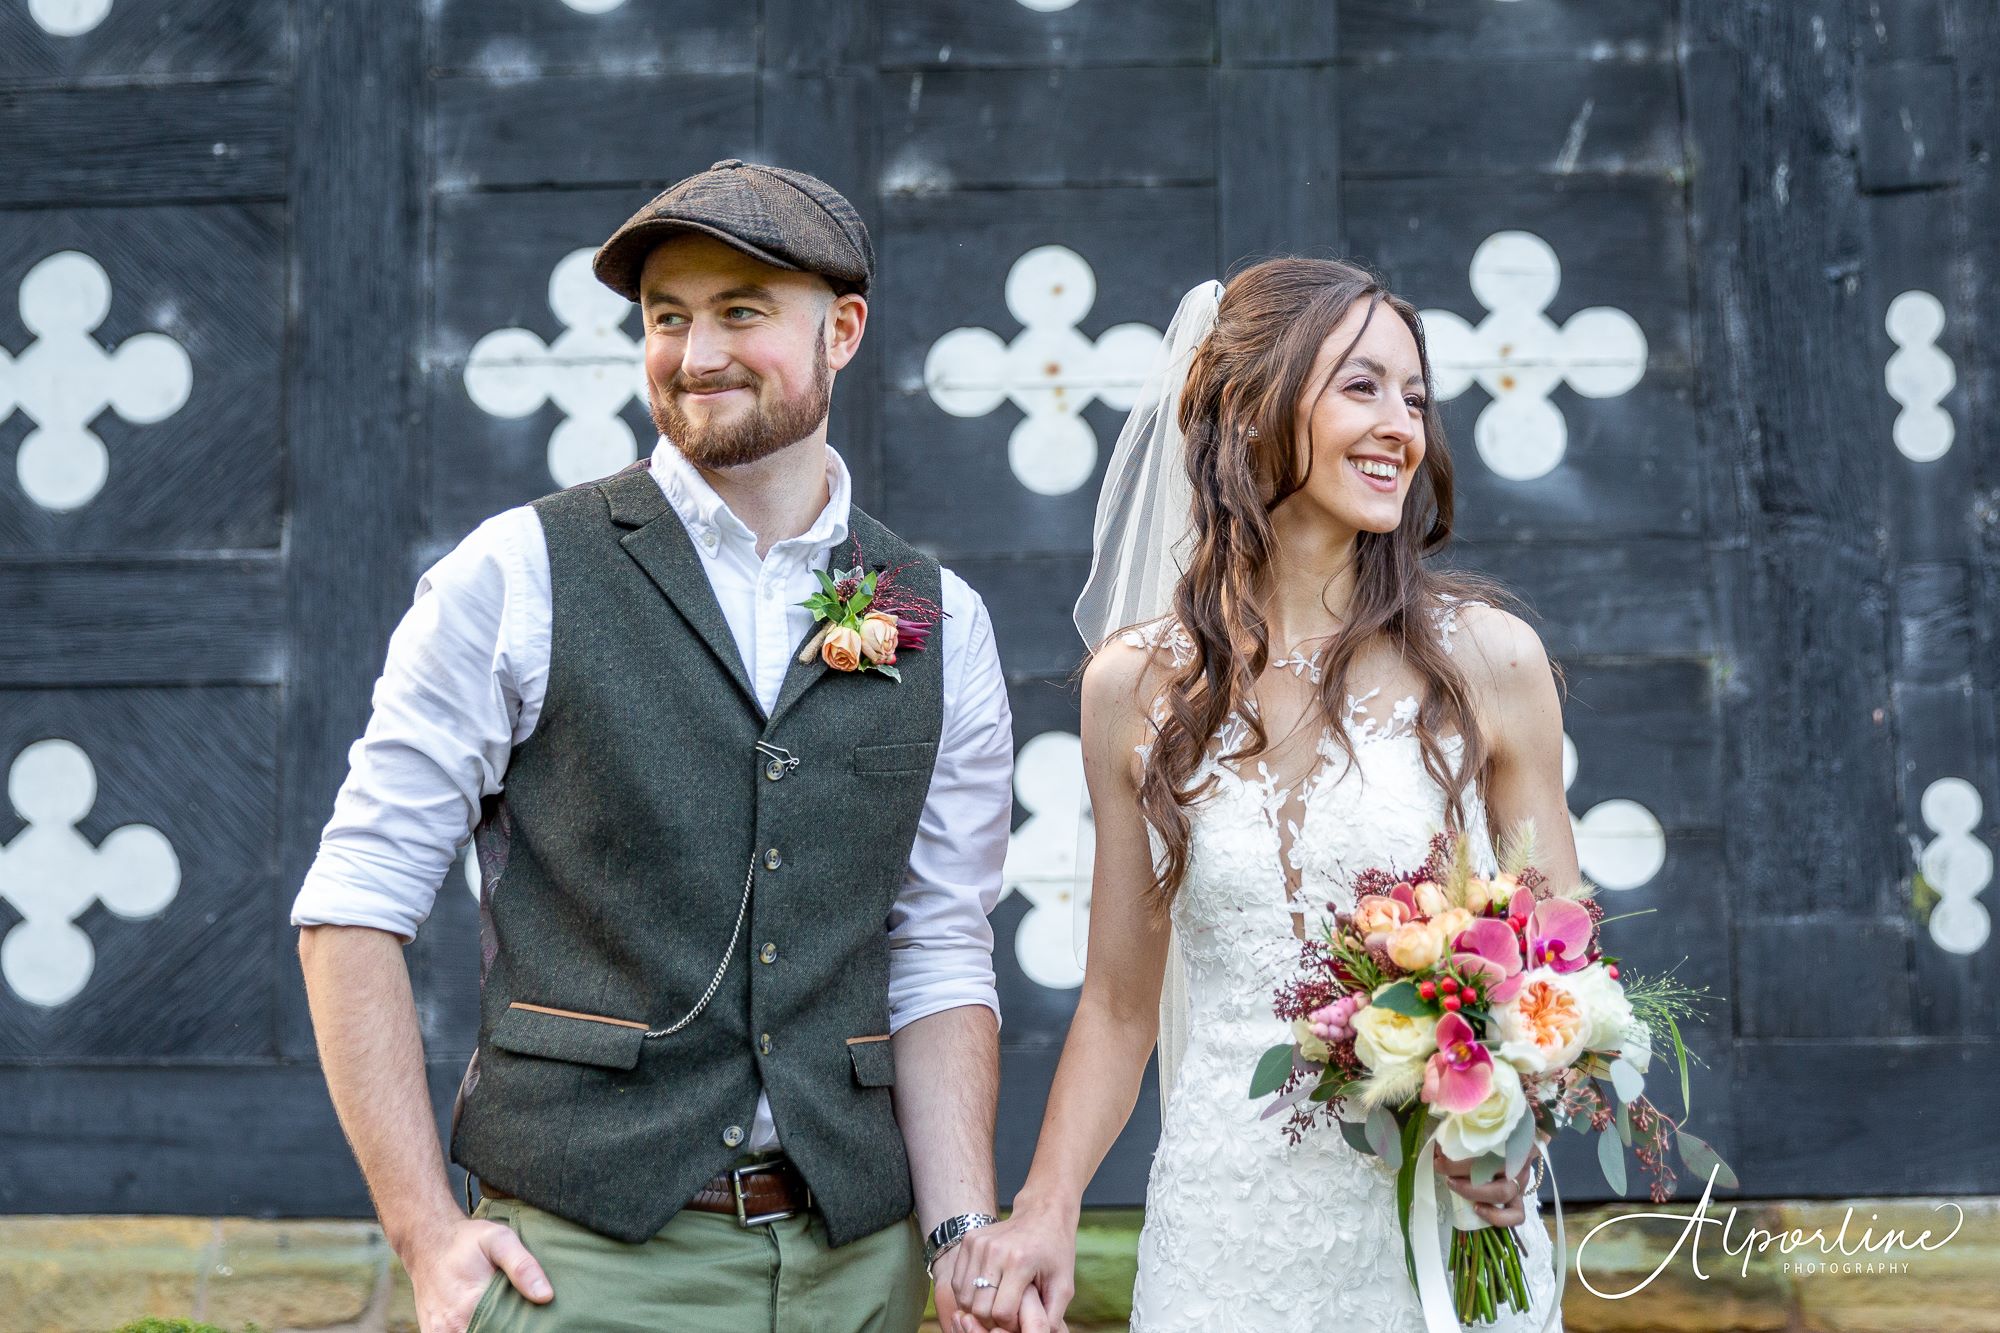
[909, 757]
[874, 1061]
[564, 1034]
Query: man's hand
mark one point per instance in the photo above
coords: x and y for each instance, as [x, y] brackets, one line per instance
[450, 1269]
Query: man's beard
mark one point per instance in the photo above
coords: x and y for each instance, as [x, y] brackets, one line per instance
[755, 434]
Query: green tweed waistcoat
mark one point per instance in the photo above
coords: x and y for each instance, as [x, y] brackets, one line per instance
[613, 869]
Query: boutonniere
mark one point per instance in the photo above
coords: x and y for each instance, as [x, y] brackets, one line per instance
[865, 619]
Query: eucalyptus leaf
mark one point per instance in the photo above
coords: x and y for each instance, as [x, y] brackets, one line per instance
[1274, 1066]
[1624, 1123]
[1380, 1127]
[1520, 1144]
[1701, 1159]
[1611, 1158]
[1286, 1101]
[1629, 1082]
[1402, 998]
[1351, 1131]
[893, 673]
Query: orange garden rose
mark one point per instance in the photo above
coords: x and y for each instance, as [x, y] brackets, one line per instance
[878, 638]
[841, 649]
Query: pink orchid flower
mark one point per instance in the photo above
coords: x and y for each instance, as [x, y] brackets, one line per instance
[1489, 949]
[1460, 1075]
[1558, 935]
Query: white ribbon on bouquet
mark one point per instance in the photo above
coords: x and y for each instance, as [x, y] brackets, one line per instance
[1430, 1233]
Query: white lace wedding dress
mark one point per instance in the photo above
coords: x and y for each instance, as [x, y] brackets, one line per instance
[1244, 1231]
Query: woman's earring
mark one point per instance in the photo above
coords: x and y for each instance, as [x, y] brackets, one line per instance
[1252, 433]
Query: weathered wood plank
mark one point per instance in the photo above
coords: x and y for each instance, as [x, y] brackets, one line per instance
[505, 39]
[180, 141]
[357, 279]
[923, 33]
[1277, 32]
[1478, 31]
[1595, 599]
[1784, 343]
[966, 129]
[1937, 1099]
[147, 41]
[1279, 163]
[825, 124]
[191, 621]
[215, 1139]
[563, 129]
[1612, 117]
[1776, 994]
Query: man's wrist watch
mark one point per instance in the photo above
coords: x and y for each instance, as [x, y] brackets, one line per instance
[950, 1232]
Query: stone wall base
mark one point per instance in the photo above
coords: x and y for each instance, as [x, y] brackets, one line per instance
[92, 1274]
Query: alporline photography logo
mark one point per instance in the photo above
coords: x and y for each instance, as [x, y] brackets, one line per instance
[1757, 1240]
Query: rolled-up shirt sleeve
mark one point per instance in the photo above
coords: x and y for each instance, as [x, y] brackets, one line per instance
[940, 938]
[461, 685]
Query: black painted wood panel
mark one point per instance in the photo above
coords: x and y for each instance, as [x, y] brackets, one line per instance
[1778, 628]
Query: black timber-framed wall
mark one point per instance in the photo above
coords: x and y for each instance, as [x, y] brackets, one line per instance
[1779, 629]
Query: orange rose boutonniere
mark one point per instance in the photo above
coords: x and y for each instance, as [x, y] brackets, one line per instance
[859, 630]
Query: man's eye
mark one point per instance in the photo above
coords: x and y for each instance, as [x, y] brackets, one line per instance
[736, 310]
[668, 321]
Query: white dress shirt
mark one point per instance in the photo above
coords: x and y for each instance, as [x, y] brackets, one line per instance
[468, 669]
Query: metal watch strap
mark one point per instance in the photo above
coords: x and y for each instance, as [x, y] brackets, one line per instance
[950, 1232]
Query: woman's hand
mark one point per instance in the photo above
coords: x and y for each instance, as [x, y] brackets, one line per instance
[1030, 1255]
[1498, 1201]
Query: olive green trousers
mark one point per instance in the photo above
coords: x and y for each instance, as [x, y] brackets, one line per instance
[705, 1274]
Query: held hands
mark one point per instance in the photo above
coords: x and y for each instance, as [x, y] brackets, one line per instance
[450, 1267]
[1031, 1263]
[1498, 1201]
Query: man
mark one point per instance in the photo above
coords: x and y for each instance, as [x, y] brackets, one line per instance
[737, 1010]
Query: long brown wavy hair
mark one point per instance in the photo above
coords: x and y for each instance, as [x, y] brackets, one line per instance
[1244, 385]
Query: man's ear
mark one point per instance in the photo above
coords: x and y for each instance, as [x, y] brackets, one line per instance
[846, 319]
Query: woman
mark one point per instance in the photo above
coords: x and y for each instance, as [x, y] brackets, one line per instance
[1317, 701]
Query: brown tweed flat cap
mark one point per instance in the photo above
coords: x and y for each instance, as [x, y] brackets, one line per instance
[785, 218]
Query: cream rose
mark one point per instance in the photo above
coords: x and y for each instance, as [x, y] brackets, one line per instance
[1385, 1039]
[1311, 1047]
[1431, 898]
[1544, 1027]
[841, 648]
[1452, 921]
[1416, 945]
[1487, 1126]
[878, 638]
[1606, 1011]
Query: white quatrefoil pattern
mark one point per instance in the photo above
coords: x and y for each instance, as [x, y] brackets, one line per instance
[1918, 376]
[50, 873]
[591, 371]
[1619, 844]
[1051, 372]
[1519, 355]
[65, 379]
[1044, 856]
[1956, 864]
[68, 18]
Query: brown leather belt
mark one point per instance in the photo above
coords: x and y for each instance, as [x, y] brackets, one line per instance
[754, 1193]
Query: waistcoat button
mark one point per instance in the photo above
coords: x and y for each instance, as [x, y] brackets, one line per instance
[775, 769]
[772, 860]
[768, 954]
[733, 1135]
[764, 1044]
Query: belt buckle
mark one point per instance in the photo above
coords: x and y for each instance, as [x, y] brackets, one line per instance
[743, 1217]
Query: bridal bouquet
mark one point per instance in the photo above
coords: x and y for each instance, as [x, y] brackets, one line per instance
[1475, 1011]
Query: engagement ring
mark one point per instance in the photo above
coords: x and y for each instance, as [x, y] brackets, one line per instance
[982, 1282]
